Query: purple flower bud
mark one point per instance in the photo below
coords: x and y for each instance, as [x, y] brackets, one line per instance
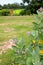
[28, 33]
[41, 9]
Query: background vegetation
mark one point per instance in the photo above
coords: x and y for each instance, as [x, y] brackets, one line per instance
[31, 7]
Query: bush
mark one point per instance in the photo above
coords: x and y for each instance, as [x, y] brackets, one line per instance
[28, 12]
[4, 12]
[0, 12]
[25, 12]
[17, 12]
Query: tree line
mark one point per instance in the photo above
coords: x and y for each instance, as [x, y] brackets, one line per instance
[31, 7]
[12, 6]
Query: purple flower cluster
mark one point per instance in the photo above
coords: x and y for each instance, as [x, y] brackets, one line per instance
[41, 9]
[28, 33]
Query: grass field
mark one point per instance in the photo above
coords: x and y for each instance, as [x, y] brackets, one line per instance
[13, 27]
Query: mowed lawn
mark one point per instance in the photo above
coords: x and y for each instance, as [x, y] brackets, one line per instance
[15, 26]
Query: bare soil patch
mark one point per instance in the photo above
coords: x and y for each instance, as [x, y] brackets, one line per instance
[7, 45]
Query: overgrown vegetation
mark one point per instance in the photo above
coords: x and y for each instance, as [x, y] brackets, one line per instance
[4, 12]
[31, 7]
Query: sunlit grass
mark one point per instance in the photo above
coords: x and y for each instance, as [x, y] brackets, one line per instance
[11, 26]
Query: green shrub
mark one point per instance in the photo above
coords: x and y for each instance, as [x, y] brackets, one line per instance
[25, 12]
[17, 12]
[4, 12]
[28, 12]
[0, 12]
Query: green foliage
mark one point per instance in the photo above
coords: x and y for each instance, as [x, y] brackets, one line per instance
[17, 12]
[28, 12]
[25, 54]
[33, 5]
[7, 58]
[4, 12]
[25, 12]
[39, 28]
[10, 6]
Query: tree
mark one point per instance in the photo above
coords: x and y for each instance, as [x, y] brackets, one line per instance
[32, 1]
[26, 1]
[33, 5]
[0, 7]
[4, 6]
[11, 6]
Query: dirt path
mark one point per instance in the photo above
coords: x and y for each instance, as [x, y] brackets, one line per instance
[7, 45]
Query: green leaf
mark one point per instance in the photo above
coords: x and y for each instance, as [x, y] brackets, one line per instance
[37, 63]
[15, 48]
[36, 26]
[37, 18]
[30, 49]
[29, 61]
[21, 43]
[35, 33]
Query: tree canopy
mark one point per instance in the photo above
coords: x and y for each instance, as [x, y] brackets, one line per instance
[32, 1]
[33, 5]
